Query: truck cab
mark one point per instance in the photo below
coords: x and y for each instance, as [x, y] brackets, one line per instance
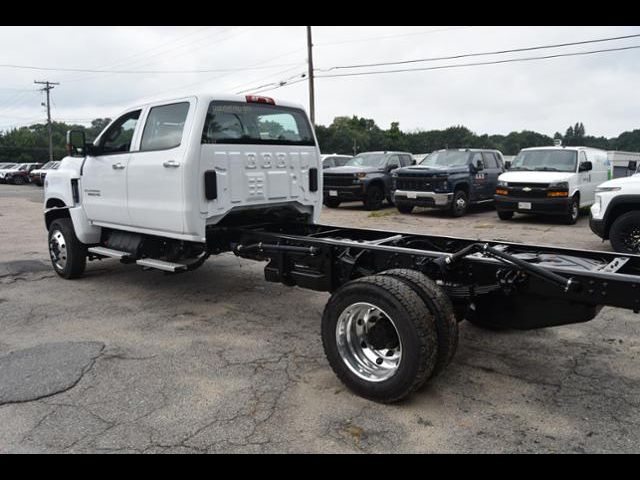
[172, 169]
[615, 215]
[448, 179]
[552, 181]
[365, 177]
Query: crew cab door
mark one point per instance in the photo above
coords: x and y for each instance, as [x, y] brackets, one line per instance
[155, 178]
[104, 173]
[493, 170]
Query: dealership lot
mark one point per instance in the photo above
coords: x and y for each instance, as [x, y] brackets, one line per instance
[220, 360]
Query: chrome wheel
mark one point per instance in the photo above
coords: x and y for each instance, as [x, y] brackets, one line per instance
[632, 239]
[368, 342]
[58, 249]
[575, 211]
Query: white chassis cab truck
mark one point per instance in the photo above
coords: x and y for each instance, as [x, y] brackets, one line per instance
[169, 183]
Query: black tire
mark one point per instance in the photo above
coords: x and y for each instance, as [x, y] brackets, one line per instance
[390, 200]
[505, 215]
[574, 211]
[625, 233]
[414, 326]
[406, 209]
[459, 204]
[18, 180]
[332, 202]
[74, 251]
[374, 198]
[440, 307]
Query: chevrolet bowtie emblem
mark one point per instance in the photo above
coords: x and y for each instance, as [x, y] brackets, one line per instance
[526, 189]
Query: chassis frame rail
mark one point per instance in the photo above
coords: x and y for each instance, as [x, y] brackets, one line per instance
[518, 285]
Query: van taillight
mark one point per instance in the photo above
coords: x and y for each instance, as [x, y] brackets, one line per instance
[259, 99]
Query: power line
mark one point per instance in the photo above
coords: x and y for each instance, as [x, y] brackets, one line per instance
[480, 54]
[385, 37]
[154, 72]
[494, 62]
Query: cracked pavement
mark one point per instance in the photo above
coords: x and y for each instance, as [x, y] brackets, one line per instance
[219, 360]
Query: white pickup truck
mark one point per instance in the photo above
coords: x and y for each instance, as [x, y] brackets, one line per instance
[169, 183]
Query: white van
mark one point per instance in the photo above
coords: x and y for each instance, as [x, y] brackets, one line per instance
[552, 181]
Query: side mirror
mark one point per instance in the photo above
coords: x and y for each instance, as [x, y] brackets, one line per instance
[633, 165]
[76, 143]
[479, 165]
[507, 164]
[392, 167]
[585, 167]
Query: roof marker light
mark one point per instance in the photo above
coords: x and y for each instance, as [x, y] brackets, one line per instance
[259, 99]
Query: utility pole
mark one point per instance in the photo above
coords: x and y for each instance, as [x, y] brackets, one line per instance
[48, 86]
[312, 101]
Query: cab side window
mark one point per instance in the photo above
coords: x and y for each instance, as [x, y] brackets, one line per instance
[477, 157]
[489, 160]
[393, 162]
[164, 126]
[117, 139]
[406, 160]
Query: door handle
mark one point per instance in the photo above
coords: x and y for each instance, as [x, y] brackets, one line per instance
[117, 166]
[171, 164]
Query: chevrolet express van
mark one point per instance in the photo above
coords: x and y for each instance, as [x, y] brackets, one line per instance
[552, 181]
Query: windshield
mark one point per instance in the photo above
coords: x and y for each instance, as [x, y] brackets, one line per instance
[47, 165]
[376, 160]
[546, 161]
[256, 124]
[448, 158]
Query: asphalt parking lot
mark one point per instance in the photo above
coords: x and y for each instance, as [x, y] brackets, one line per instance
[218, 360]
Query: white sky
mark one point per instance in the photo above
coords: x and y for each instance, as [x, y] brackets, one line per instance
[548, 95]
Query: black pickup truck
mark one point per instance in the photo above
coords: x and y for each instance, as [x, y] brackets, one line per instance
[448, 179]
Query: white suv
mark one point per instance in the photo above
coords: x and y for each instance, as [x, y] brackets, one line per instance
[615, 215]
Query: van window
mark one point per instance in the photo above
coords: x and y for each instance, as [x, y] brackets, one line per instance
[256, 124]
[117, 138]
[548, 160]
[164, 127]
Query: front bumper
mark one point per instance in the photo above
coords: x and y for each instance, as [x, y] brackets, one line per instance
[542, 206]
[597, 227]
[352, 192]
[422, 199]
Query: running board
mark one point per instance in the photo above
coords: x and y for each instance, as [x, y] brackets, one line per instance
[108, 252]
[161, 265]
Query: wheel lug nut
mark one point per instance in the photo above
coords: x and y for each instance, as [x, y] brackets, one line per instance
[379, 361]
[360, 322]
[363, 345]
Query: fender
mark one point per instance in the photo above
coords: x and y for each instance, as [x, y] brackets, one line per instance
[617, 206]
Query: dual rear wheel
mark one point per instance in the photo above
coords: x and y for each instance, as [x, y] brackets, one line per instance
[386, 335]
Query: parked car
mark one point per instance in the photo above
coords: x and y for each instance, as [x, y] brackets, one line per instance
[335, 160]
[6, 165]
[552, 181]
[37, 176]
[19, 174]
[615, 214]
[448, 179]
[366, 177]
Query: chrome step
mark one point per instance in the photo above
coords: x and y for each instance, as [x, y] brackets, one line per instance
[108, 252]
[161, 265]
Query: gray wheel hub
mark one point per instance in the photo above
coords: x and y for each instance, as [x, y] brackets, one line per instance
[58, 249]
[368, 342]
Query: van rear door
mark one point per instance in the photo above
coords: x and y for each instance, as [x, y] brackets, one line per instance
[258, 153]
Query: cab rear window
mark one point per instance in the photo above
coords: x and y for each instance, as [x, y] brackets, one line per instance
[256, 124]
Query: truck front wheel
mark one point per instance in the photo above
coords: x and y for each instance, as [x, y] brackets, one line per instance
[68, 254]
[403, 208]
[460, 203]
[379, 338]
[374, 198]
[332, 202]
[505, 215]
[574, 211]
[625, 233]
